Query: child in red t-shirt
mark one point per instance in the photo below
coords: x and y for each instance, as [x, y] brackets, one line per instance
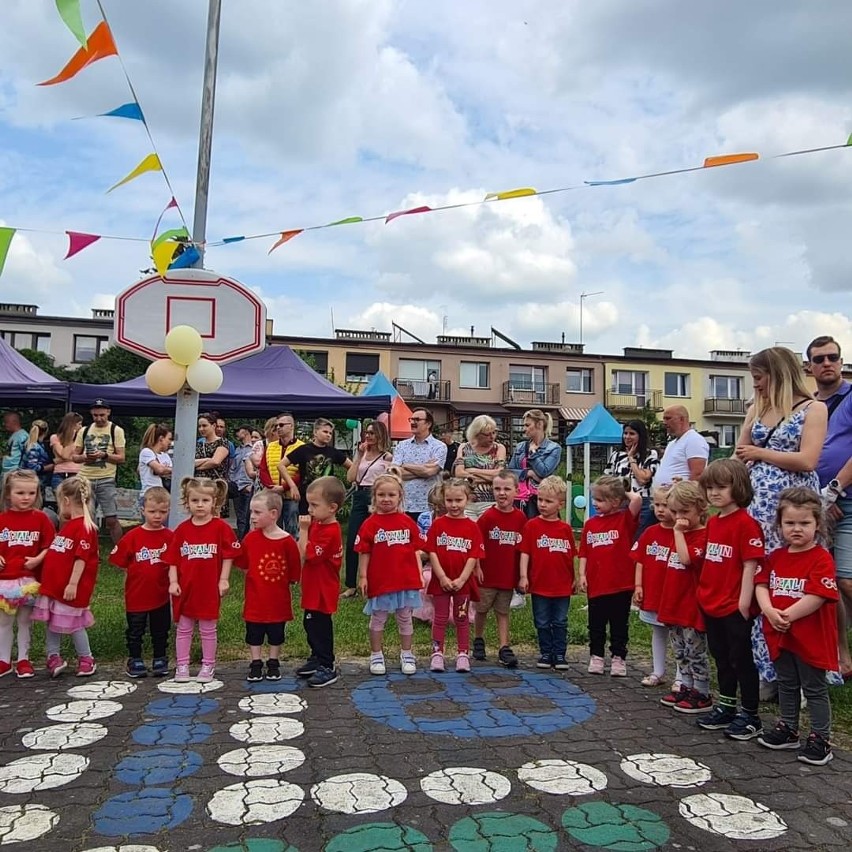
[271, 561]
[68, 576]
[678, 602]
[321, 548]
[797, 593]
[726, 597]
[25, 535]
[607, 570]
[454, 545]
[547, 572]
[140, 553]
[499, 571]
[199, 557]
[652, 552]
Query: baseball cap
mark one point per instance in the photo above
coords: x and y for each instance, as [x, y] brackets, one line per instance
[100, 403]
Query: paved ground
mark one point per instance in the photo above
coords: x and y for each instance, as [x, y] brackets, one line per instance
[491, 761]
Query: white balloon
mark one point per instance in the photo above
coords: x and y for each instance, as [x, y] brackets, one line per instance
[204, 376]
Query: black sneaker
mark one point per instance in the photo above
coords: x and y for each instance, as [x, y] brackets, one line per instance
[136, 668]
[507, 657]
[746, 726]
[719, 718]
[560, 663]
[779, 737]
[323, 677]
[255, 672]
[672, 698]
[816, 751]
[479, 649]
[160, 666]
[273, 669]
[545, 661]
[308, 668]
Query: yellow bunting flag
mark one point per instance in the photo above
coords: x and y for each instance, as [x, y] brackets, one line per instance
[511, 193]
[100, 45]
[285, 237]
[151, 163]
[6, 235]
[163, 254]
[729, 159]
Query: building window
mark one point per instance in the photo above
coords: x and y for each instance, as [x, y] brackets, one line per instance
[525, 377]
[677, 384]
[473, 374]
[629, 382]
[27, 340]
[419, 371]
[41, 343]
[728, 434]
[726, 387]
[316, 359]
[88, 347]
[578, 381]
[360, 367]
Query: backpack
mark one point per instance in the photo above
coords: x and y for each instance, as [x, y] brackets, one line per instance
[111, 434]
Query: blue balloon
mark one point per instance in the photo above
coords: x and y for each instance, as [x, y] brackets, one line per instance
[579, 502]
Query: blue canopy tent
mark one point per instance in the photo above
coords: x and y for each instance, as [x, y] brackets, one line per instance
[597, 427]
[379, 385]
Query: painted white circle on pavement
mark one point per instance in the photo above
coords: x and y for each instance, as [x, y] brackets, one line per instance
[20, 823]
[734, 817]
[267, 729]
[562, 777]
[255, 802]
[191, 687]
[102, 689]
[64, 736]
[261, 761]
[358, 793]
[665, 770]
[41, 772]
[83, 711]
[465, 785]
[272, 703]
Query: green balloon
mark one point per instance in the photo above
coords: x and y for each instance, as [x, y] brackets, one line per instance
[351, 424]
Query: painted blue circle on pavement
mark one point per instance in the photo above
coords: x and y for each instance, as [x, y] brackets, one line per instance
[286, 684]
[176, 732]
[142, 812]
[489, 702]
[156, 766]
[181, 706]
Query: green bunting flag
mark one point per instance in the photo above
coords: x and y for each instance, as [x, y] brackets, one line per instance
[6, 235]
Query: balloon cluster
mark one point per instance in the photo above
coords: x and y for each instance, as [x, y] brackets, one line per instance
[167, 376]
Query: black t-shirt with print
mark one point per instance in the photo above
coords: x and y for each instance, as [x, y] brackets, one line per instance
[314, 462]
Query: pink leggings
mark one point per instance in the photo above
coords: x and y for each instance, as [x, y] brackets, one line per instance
[183, 640]
[403, 621]
[461, 617]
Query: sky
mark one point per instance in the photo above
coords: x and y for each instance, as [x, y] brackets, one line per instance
[339, 108]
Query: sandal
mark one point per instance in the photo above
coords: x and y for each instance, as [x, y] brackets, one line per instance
[349, 593]
[654, 680]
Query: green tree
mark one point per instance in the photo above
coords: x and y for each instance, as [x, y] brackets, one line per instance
[113, 365]
[44, 362]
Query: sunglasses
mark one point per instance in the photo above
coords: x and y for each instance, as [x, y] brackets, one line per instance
[833, 358]
[415, 419]
[281, 425]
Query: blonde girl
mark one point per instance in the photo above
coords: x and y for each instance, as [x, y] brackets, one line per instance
[389, 573]
[199, 559]
[36, 458]
[68, 576]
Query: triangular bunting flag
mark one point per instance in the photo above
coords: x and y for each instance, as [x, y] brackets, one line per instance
[177, 234]
[6, 235]
[100, 46]
[510, 193]
[170, 206]
[163, 254]
[131, 110]
[391, 216]
[151, 163]
[69, 11]
[78, 241]
[286, 236]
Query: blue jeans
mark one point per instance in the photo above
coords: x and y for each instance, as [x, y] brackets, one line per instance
[242, 509]
[843, 539]
[359, 513]
[550, 616]
[289, 520]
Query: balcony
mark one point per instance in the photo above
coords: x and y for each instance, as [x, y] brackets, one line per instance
[652, 399]
[722, 405]
[531, 393]
[437, 391]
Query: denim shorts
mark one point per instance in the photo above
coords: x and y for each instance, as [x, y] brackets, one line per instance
[843, 540]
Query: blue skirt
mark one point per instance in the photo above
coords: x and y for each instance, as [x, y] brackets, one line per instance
[393, 601]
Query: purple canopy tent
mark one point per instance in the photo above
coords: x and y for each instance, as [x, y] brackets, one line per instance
[25, 385]
[271, 381]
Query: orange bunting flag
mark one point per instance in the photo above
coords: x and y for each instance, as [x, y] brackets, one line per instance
[151, 163]
[78, 241]
[100, 45]
[391, 216]
[511, 193]
[729, 159]
[285, 237]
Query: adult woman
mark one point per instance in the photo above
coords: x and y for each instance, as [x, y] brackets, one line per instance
[211, 452]
[36, 457]
[634, 461]
[479, 459]
[258, 448]
[155, 463]
[371, 460]
[62, 447]
[535, 458]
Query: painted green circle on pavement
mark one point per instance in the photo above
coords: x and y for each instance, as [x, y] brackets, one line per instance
[255, 844]
[380, 837]
[502, 832]
[620, 828]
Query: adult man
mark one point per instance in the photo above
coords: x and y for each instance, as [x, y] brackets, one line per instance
[448, 437]
[420, 460]
[285, 427]
[239, 482]
[100, 448]
[835, 469]
[16, 443]
[686, 453]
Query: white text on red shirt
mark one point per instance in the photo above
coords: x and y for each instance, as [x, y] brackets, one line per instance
[198, 551]
[554, 545]
[786, 587]
[454, 542]
[718, 552]
[390, 537]
[20, 537]
[509, 537]
[601, 539]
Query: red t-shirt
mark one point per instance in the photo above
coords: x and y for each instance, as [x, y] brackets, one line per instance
[501, 535]
[652, 552]
[454, 541]
[271, 564]
[791, 576]
[392, 542]
[199, 551]
[71, 543]
[22, 535]
[731, 541]
[550, 546]
[140, 552]
[605, 544]
[678, 601]
[321, 572]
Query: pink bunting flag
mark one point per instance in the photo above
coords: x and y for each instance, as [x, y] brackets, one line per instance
[78, 241]
[170, 206]
[391, 216]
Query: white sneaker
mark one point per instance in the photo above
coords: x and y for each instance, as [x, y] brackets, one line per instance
[377, 665]
[182, 674]
[407, 663]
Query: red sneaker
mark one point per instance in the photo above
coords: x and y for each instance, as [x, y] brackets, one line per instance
[56, 665]
[86, 667]
[24, 668]
[693, 702]
[5, 668]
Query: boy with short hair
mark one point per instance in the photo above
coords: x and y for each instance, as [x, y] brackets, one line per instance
[321, 547]
[146, 587]
[498, 573]
[271, 559]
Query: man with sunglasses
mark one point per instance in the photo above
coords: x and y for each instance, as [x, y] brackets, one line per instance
[420, 460]
[835, 470]
[287, 442]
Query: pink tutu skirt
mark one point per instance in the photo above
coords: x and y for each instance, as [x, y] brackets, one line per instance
[17, 593]
[60, 617]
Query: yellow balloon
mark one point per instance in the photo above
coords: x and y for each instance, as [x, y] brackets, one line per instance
[183, 343]
[204, 376]
[164, 377]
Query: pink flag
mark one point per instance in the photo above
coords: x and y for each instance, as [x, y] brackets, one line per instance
[391, 216]
[77, 242]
